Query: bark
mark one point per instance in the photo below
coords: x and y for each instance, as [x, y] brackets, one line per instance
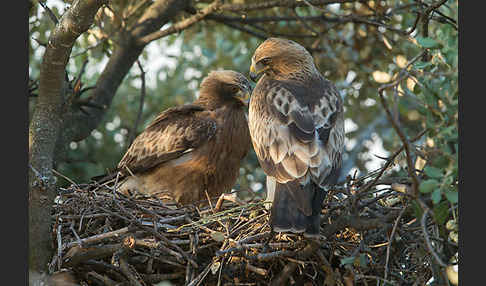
[45, 126]
[51, 114]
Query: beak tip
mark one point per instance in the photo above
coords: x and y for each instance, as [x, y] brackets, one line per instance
[253, 76]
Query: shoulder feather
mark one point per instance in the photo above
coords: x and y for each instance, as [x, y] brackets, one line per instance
[172, 134]
[294, 128]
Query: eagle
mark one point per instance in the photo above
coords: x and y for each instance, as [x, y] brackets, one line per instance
[296, 125]
[192, 151]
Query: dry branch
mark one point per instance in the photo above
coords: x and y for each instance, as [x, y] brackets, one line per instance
[137, 241]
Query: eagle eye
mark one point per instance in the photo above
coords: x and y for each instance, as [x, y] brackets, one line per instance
[266, 61]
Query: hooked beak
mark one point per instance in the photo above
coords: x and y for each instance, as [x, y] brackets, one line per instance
[255, 73]
[244, 96]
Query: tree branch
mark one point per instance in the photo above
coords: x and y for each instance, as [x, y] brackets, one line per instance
[396, 125]
[133, 131]
[277, 3]
[78, 125]
[47, 121]
[184, 24]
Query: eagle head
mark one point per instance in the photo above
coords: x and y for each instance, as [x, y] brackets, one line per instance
[228, 85]
[281, 57]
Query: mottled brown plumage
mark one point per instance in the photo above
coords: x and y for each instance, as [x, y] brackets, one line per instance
[297, 129]
[191, 149]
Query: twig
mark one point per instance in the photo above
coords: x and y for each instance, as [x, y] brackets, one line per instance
[396, 126]
[64, 177]
[239, 27]
[358, 147]
[125, 268]
[427, 239]
[357, 223]
[155, 278]
[201, 276]
[91, 47]
[99, 237]
[390, 240]
[39, 42]
[101, 278]
[59, 246]
[104, 267]
[77, 254]
[49, 12]
[257, 270]
[304, 23]
[425, 24]
[391, 159]
[290, 267]
[133, 132]
[184, 24]
[259, 5]
[77, 81]
[272, 255]
[377, 278]
[75, 233]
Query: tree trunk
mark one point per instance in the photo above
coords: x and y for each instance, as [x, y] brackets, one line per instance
[50, 116]
[45, 125]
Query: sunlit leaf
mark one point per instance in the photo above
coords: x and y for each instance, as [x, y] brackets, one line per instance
[381, 77]
[401, 61]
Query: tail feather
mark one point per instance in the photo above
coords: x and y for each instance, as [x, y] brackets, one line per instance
[287, 216]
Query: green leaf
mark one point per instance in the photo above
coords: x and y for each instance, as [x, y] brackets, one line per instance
[433, 172]
[347, 260]
[452, 196]
[427, 42]
[436, 196]
[441, 212]
[428, 186]
[421, 65]
[417, 209]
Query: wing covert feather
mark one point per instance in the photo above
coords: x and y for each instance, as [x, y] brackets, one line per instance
[297, 128]
[175, 132]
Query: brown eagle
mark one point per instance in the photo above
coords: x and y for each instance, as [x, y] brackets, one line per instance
[195, 148]
[297, 129]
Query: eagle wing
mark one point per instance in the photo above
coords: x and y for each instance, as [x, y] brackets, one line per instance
[297, 132]
[175, 132]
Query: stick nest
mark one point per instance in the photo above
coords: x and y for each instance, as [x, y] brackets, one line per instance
[106, 238]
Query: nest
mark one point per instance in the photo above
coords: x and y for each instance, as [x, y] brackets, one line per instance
[106, 238]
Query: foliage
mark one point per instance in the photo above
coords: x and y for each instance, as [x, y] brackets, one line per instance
[438, 95]
[360, 46]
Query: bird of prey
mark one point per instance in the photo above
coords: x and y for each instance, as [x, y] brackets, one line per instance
[194, 149]
[297, 129]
